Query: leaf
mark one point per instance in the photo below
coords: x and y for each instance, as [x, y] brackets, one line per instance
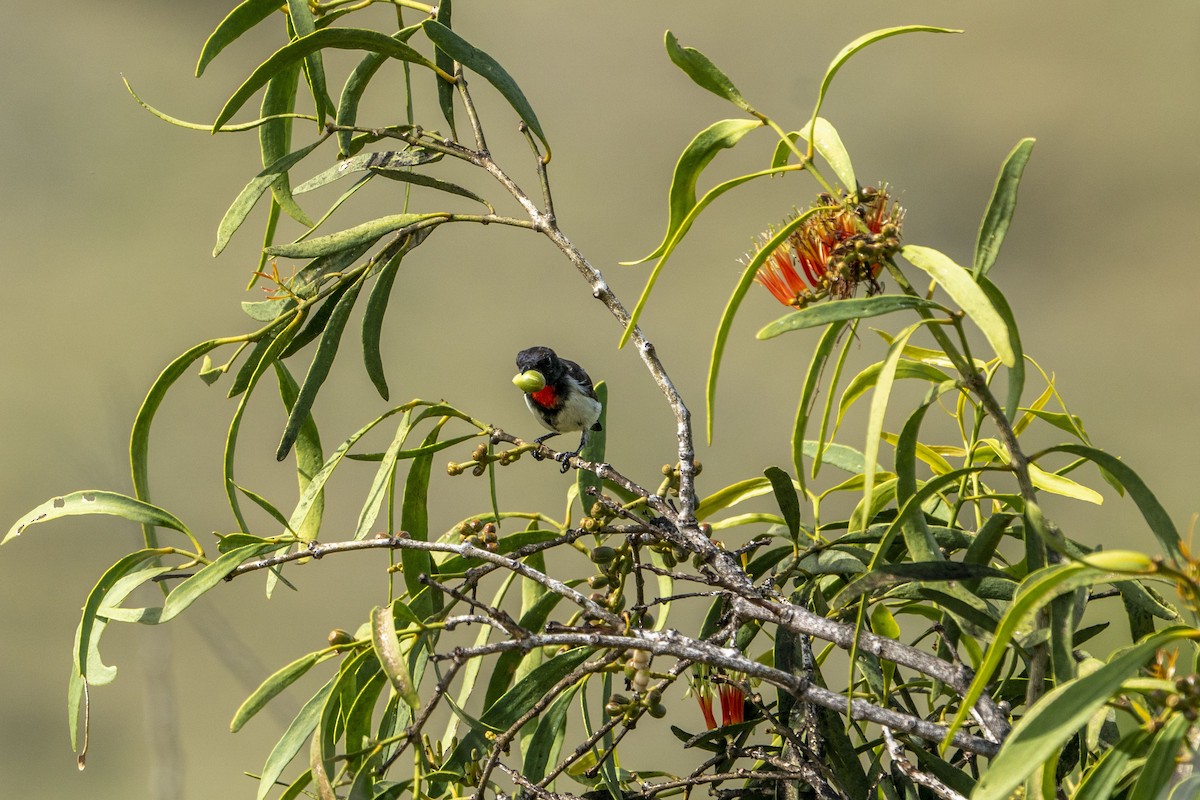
[359, 235]
[1016, 372]
[414, 520]
[420, 179]
[309, 458]
[842, 456]
[372, 324]
[785, 496]
[475, 59]
[594, 452]
[1000, 208]
[1157, 518]
[276, 683]
[293, 739]
[1060, 485]
[139, 438]
[1062, 712]
[732, 495]
[318, 370]
[841, 310]
[735, 301]
[337, 38]
[957, 283]
[858, 44]
[383, 159]
[829, 145]
[547, 739]
[357, 82]
[705, 73]
[445, 90]
[1099, 783]
[248, 197]
[244, 17]
[275, 138]
[812, 378]
[879, 401]
[384, 477]
[681, 198]
[88, 636]
[387, 650]
[302, 23]
[96, 502]
[1161, 760]
[191, 589]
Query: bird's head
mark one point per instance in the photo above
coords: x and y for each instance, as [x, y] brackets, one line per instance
[538, 366]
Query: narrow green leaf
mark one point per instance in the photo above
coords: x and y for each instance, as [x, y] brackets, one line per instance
[785, 496]
[88, 635]
[704, 72]
[959, 284]
[829, 145]
[372, 324]
[475, 59]
[210, 576]
[357, 82]
[1161, 761]
[302, 23]
[547, 739]
[861, 383]
[261, 362]
[918, 539]
[244, 17]
[139, 437]
[1156, 516]
[336, 38]
[1062, 712]
[318, 370]
[309, 458]
[275, 137]
[269, 689]
[858, 44]
[840, 310]
[1000, 208]
[246, 200]
[842, 456]
[382, 159]
[732, 495]
[96, 502]
[387, 650]
[384, 478]
[420, 179]
[1060, 485]
[1099, 783]
[414, 520]
[696, 156]
[505, 671]
[735, 301]
[293, 739]
[812, 379]
[358, 236]
[879, 402]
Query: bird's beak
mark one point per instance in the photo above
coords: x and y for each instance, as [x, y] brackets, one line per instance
[530, 381]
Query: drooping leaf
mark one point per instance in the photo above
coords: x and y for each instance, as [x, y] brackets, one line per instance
[337, 38]
[704, 72]
[245, 201]
[210, 576]
[269, 689]
[445, 90]
[242, 18]
[357, 82]
[594, 452]
[547, 739]
[97, 502]
[484, 65]
[785, 496]
[1000, 208]
[812, 378]
[387, 650]
[318, 370]
[962, 288]
[309, 458]
[1016, 372]
[414, 520]
[275, 137]
[858, 44]
[695, 157]
[372, 325]
[293, 739]
[828, 143]
[382, 159]
[421, 179]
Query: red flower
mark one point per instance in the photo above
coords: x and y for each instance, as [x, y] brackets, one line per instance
[733, 704]
[834, 249]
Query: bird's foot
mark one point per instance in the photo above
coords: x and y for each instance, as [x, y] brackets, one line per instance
[565, 460]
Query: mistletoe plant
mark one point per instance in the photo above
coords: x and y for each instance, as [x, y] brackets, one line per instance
[480, 673]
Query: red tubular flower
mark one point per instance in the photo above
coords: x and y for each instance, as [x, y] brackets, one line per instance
[733, 704]
[837, 248]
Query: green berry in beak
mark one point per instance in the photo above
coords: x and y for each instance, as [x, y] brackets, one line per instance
[530, 381]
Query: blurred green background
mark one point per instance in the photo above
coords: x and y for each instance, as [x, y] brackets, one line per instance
[110, 216]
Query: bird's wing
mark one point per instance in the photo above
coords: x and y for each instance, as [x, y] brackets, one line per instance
[577, 372]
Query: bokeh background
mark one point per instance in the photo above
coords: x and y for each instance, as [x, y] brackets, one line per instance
[109, 217]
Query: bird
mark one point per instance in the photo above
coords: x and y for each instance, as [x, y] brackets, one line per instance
[559, 394]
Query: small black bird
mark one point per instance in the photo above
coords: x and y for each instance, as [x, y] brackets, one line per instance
[559, 393]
